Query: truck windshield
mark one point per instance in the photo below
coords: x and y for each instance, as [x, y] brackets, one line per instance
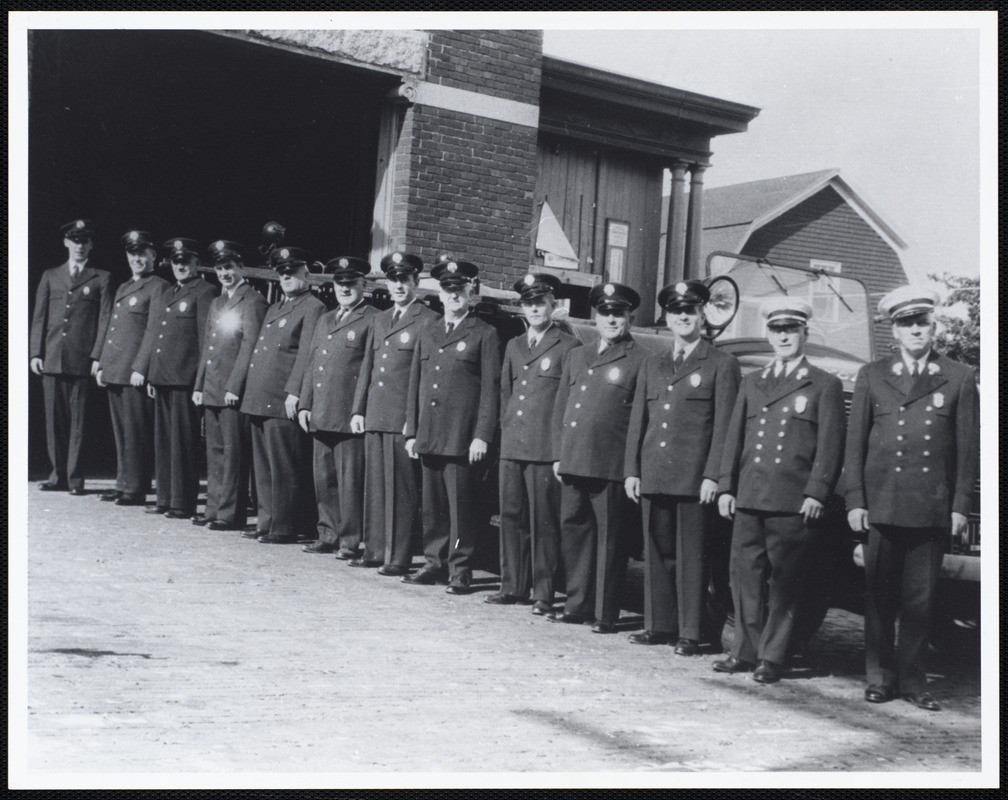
[840, 319]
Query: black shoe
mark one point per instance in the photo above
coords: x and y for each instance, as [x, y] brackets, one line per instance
[220, 525]
[318, 547]
[391, 569]
[604, 627]
[131, 500]
[77, 491]
[364, 562]
[732, 664]
[879, 694]
[157, 510]
[110, 496]
[253, 534]
[923, 700]
[174, 513]
[427, 576]
[459, 584]
[45, 486]
[651, 637]
[270, 539]
[687, 647]
[502, 599]
[201, 520]
[346, 554]
[541, 608]
[768, 672]
[570, 619]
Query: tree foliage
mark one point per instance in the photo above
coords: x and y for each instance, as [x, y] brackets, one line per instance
[958, 336]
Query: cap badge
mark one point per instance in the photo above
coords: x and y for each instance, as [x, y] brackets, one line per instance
[282, 323]
[183, 306]
[609, 290]
[614, 374]
[938, 400]
[801, 373]
[219, 245]
[452, 266]
[178, 244]
[285, 253]
[397, 258]
[529, 279]
[404, 337]
[134, 236]
[800, 404]
[87, 290]
[545, 364]
[694, 380]
[681, 288]
[79, 224]
[344, 263]
[897, 368]
[133, 301]
[351, 335]
[461, 346]
[932, 368]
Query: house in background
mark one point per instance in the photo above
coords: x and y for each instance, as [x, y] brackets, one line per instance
[810, 220]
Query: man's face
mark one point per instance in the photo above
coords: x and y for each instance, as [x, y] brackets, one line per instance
[141, 261]
[347, 294]
[183, 266]
[455, 299]
[538, 311]
[228, 273]
[294, 281]
[787, 339]
[612, 323]
[685, 322]
[78, 251]
[914, 334]
[402, 288]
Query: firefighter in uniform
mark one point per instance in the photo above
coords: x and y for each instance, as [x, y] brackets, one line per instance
[281, 456]
[132, 411]
[591, 418]
[782, 457]
[909, 477]
[684, 400]
[451, 420]
[391, 478]
[72, 308]
[529, 492]
[167, 363]
[325, 409]
[232, 327]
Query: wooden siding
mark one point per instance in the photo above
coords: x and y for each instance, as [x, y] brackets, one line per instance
[826, 227]
[586, 185]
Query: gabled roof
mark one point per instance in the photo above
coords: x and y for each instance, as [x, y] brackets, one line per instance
[733, 213]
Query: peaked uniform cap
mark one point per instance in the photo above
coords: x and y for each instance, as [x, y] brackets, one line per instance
[908, 301]
[613, 295]
[288, 259]
[78, 230]
[683, 293]
[535, 285]
[786, 310]
[347, 268]
[137, 240]
[225, 250]
[449, 271]
[400, 263]
[180, 246]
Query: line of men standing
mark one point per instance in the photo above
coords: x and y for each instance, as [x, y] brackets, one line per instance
[366, 427]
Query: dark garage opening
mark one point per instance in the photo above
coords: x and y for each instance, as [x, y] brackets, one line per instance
[191, 134]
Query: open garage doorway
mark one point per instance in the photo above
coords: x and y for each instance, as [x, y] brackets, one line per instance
[188, 133]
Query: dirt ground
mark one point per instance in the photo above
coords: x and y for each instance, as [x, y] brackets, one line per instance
[154, 646]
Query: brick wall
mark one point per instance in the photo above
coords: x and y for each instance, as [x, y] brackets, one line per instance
[504, 64]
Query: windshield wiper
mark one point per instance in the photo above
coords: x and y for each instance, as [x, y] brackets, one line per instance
[762, 263]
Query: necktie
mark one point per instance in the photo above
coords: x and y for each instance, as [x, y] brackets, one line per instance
[74, 272]
[449, 328]
[914, 370]
[396, 315]
[533, 341]
[177, 287]
[603, 346]
[778, 369]
[677, 364]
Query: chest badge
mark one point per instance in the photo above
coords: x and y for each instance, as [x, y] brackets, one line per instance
[282, 323]
[183, 306]
[694, 380]
[404, 337]
[932, 368]
[545, 364]
[800, 404]
[87, 290]
[133, 301]
[351, 335]
[461, 346]
[938, 400]
[614, 374]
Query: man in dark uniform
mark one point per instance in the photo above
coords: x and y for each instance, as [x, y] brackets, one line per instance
[280, 450]
[72, 308]
[167, 362]
[684, 400]
[782, 458]
[591, 418]
[131, 409]
[909, 476]
[392, 478]
[325, 410]
[451, 420]
[232, 327]
[529, 492]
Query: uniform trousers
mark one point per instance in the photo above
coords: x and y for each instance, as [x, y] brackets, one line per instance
[132, 413]
[282, 461]
[229, 459]
[767, 576]
[176, 439]
[529, 529]
[902, 566]
[391, 499]
[594, 545]
[338, 468]
[65, 402]
[451, 488]
[676, 564]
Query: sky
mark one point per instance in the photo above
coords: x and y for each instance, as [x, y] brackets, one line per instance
[896, 111]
